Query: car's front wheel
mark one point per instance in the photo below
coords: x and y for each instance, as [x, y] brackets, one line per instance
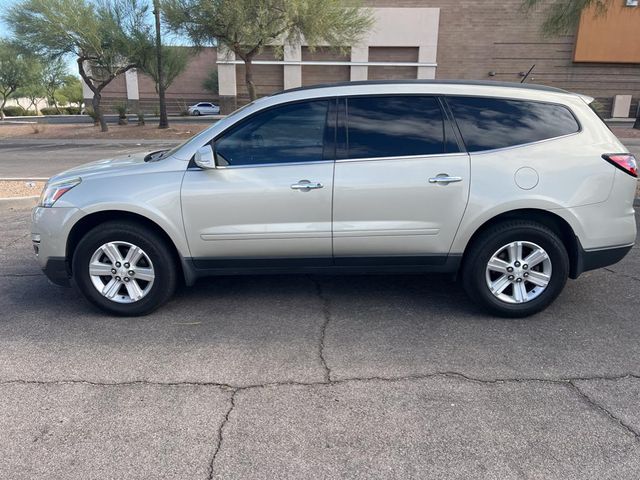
[124, 268]
[196, 113]
[516, 268]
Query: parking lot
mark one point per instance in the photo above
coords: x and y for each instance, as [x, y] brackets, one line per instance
[314, 377]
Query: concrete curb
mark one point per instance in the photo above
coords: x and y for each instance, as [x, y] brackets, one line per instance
[18, 202]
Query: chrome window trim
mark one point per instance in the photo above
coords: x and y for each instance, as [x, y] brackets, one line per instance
[403, 157]
[282, 164]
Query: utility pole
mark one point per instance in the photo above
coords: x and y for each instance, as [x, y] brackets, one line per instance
[164, 121]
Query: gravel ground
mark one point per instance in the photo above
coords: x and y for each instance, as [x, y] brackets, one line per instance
[19, 188]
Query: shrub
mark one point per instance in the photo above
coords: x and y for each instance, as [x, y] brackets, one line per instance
[52, 111]
[14, 111]
[73, 110]
[91, 112]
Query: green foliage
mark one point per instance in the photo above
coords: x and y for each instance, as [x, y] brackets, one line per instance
[14, 111]
[174, 61]
[52, 111]
[211, 83]
[109, 36]
[562, 17]
[121, 109]
[72, 90]
[15, 70]
[72, 110]
[247, 26]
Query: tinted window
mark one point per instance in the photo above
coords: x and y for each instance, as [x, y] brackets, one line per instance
[394, 126]
[488, 123]
[290, 133]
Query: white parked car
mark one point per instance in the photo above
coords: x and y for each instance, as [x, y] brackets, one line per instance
[204, 108]
[512, 187]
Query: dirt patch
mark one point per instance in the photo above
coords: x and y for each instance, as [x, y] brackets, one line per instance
[177, 130]
[20, 188]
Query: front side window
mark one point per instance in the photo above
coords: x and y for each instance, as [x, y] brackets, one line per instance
[392, 126]
[490, 123]
[285, 134]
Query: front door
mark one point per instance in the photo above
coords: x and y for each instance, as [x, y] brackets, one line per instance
[269, 202]
[401, 190]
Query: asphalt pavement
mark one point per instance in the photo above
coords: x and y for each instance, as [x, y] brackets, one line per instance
[316, 377]
[265, 377]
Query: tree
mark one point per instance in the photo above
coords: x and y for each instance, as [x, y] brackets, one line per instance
[72, 90]
[32, 84]
[564, 16]
[211, 83]
[174, 61]
[107, 37]
[53, 76]
[246, 26]
[14, 71]
[159, 70]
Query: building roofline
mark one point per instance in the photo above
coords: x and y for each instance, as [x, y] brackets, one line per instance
[482, 83]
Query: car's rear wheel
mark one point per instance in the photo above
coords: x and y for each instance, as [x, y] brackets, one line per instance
[516, 268]
[124, 268]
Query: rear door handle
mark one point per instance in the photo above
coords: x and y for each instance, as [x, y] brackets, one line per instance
[306, 185]
[444, 179]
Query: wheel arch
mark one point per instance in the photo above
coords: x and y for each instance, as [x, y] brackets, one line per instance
[94, 219]
[551, 220]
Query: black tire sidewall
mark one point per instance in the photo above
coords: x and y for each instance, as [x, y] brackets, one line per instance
[156, 249]
[488, 244]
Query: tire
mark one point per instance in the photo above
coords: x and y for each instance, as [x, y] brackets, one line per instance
[196, 113]
[153, 263]
[500, 243]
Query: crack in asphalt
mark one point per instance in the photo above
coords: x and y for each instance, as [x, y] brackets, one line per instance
[601, 408]
[622, 274]
[326, 313]
[232, 405]
[566, 382]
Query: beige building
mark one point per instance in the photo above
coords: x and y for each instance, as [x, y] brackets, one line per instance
[432, 39]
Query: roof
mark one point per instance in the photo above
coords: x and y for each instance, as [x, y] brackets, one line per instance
[486, 83]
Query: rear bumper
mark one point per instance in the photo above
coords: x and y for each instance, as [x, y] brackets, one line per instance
[593, 259]
[57, 271]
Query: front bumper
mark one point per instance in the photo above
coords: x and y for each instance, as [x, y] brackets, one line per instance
[50, 229]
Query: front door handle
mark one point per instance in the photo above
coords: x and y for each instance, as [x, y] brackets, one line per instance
[306, 185]
[444, 179]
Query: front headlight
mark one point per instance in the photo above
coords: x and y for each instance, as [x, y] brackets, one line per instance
[53, 191]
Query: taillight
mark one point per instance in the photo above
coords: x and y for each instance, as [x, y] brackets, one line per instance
[624, 161]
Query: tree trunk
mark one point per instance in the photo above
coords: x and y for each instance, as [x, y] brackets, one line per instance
[98, 111]
[4, 101]
[248, 78]
[636, 125]
[164, 120]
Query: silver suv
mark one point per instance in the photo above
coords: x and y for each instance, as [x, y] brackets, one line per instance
[513, 187]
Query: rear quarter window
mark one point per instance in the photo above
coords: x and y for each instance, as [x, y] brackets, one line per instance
[491, 123]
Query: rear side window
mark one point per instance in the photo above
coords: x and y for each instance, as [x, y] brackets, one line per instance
[391, 126]
[490, 123]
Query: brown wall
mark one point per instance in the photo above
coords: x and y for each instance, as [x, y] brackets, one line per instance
[393, 54]
[315, 74]
[479, 36]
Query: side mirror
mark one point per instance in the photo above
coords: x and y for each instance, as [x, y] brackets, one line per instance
[205, 158]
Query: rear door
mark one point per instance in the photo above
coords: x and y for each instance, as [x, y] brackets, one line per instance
[401, 188]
